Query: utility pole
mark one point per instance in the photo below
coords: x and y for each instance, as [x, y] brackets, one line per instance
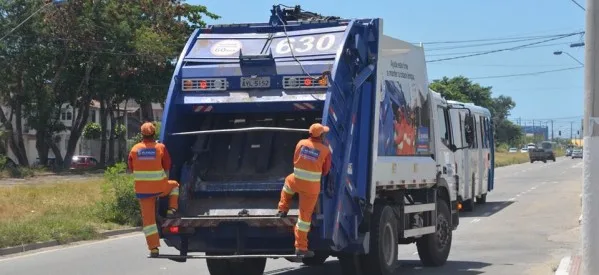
[571, 125]
[590, 188]
[552, 132]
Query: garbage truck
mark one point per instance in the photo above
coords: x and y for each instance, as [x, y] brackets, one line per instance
[243, 95]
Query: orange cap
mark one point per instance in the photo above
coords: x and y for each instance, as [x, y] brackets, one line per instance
[148, 129]
[318, 129]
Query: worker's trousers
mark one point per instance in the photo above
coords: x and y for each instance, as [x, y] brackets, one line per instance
[308, 197]
[148, 210]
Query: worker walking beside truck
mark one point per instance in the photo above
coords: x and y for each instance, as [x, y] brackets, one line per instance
[150, 163]
[311, 160]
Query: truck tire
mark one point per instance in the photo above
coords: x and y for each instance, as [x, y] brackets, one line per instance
[482, 199]
[253, 266]
[433, 249]
[382, 258]
[318, 259]
[351, 264]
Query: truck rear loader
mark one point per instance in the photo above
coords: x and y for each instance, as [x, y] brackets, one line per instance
[243, 95]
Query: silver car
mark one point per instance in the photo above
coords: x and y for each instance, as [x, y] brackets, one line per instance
[576, 153]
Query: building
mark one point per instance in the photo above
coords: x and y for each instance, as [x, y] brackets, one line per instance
[128, 112]
[536, 130]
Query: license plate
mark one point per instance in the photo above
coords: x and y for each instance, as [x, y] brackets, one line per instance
[255, 82]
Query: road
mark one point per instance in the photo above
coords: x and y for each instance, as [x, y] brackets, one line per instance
[529, 222]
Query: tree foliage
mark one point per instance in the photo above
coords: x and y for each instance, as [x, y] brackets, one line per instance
[462, 89]
[65, 57]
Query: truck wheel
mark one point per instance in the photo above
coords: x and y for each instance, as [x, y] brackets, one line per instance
[351, 264]
[253, 266]
[482, 199]
[382, 258]
[433, 249]
[318, 259]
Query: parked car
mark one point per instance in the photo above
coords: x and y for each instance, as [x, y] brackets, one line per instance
[524, 150]
[513, 150]
[577, 153]
[568, 152]
[83, 162]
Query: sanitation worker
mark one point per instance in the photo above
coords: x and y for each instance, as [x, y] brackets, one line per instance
[311, 160]
[150, 163]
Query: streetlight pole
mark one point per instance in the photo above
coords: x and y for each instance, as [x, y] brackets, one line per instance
[575, 59]
[590, 189]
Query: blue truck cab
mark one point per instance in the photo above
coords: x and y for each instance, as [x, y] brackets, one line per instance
[243, 95]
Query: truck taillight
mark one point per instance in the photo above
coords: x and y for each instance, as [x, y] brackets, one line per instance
[207, 84]
[173, 229]
[303, 82]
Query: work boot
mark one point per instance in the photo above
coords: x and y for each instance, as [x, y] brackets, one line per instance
[281, 214]
[304, 253]
[171, 213]
[154, 253]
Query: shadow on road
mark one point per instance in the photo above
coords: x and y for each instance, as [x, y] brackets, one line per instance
[488, 209]
[406, 267]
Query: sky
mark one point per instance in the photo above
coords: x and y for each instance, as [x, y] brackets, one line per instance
[539, 98]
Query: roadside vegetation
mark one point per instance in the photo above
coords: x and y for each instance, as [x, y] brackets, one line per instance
[67, 212]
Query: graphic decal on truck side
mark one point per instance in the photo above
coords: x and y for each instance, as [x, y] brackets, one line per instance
[406, 106]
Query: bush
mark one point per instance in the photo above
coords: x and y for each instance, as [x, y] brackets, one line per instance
[20, 172]
[92, 130]
[119, 204]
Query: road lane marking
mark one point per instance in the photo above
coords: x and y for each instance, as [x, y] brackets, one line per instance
[512, 199]
[496, 208]
[487, 214]
[475, 220]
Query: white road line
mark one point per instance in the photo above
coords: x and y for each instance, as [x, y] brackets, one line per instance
[512, 199]
[487, 214]
[496, 208]
[415, 253]
[475, 221]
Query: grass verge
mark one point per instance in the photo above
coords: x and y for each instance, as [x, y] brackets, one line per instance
[506, 159]
[64, 212]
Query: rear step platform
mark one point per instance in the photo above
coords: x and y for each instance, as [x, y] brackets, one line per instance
[254, 221]
[184, 258]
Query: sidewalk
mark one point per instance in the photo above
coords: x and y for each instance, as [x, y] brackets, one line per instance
[571, 265]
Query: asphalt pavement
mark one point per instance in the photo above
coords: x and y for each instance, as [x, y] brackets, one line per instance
[530, 221]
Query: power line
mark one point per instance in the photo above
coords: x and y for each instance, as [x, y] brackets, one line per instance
[504, 49]
[26, 19]
[496, 43]
[491, 39]
[483, 51]
[527, 74]
[580, 6]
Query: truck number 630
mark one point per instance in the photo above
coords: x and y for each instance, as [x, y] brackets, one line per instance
[305, 44]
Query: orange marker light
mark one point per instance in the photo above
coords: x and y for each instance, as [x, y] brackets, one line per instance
[308, 82]
[459, 206]
[322, 81]
[187, 84]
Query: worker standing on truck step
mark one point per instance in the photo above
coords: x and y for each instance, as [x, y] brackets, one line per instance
[311, 160]
[150, 163]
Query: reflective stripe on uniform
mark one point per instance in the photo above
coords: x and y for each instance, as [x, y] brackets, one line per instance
[288, 190]
[150, 230]
[306, 175]
[149, 175]
[174, 191]
[302, 225]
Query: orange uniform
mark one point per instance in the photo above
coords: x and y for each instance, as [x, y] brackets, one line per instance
[311, 161]
[150, 162]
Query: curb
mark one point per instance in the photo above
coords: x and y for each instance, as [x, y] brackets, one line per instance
[34, 246]
[569, 266]
[564, 266]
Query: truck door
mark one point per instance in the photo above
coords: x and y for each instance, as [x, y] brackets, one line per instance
[482, 157]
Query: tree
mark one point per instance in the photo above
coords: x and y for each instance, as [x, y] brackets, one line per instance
[462, 89]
